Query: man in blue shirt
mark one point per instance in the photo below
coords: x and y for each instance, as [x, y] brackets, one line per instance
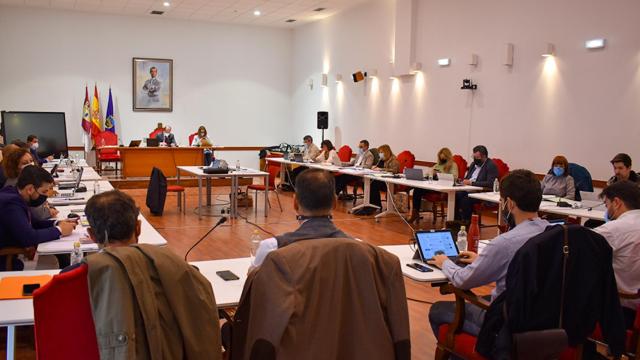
[34, 144]
[17, 228]
[520, 197]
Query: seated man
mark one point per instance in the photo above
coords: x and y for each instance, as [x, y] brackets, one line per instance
[622, 170]
[167, 138]
[311, 152]
[483, 172]
[520, 197]
[34, 143]
[182, 320]
[365, 159]
[17, 228]
[314, 201]
[622, 199]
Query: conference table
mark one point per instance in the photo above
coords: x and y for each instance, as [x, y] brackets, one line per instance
[19, 312]
[368, 175]
[234, 175]
[586, 209]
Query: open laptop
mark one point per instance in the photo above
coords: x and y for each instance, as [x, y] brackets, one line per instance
[445, 177]
[437, 242]
[152, 142]
[72, 185]
[54, 170]
[414, 174]
[135, 143]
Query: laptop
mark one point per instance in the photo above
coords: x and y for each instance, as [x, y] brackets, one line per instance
[437, 242]
[135, 143]
[72, 185]
[445, 177]
[414, 174]
[152, 142]
[54, 170]
[298, 157]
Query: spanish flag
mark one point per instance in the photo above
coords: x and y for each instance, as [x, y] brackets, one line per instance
[96, 119]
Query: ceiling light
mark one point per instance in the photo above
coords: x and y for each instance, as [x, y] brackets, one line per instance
[549, 50]
[324, 79]
[594, 44]
[416, 67]
[372, 73]
[338, 78]
[166, 4]
[444, 62]
[257, 13]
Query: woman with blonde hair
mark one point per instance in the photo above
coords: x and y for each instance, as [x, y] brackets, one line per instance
[445, 165]
[389, 163]
[202, 140]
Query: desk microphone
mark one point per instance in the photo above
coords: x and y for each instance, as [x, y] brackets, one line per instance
[220, 222]
[595, 206]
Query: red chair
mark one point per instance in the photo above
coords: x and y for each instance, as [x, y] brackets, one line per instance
[156, 132]
[273, 169]
[439, 200]
[632, 337]
[479, 208]
[181, 196]
[462, 165]
[191, 138]
[64, 327]
[406, 160]
[345, 153]
[106, 148]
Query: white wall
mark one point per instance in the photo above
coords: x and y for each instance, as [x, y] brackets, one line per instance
[233, 79]
[586, 106]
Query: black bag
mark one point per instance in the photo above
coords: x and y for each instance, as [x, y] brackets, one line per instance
[156, 192]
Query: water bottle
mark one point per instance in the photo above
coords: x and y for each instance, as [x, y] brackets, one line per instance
[496, 186]
[462, 239]
[76, 254]
[254, 243]
[96, 187]
[237, 165]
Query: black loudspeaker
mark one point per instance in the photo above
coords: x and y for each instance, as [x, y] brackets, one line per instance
[323, 120]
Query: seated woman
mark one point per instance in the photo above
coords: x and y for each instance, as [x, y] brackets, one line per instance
[388, 162]
[328, 154]
[558, 182]
[445, 165]
[202, 140]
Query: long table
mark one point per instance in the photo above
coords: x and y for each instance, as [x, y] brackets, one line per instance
[368, 175]
[227, 293]
[139, 161]
[234, 175]
[588, 209]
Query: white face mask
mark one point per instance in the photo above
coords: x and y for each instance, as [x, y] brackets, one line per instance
[382, 156]
[35, 146]
[167, 133]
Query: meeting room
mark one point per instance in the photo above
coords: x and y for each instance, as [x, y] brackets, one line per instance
[319, 179]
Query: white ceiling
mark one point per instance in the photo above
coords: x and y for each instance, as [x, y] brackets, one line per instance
[273, 12]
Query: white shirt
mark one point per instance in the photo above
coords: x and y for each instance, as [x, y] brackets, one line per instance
[333, 159]
[476, 172]
[623, 235]
[266, 246]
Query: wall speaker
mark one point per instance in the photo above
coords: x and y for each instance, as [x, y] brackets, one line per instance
[323, 120]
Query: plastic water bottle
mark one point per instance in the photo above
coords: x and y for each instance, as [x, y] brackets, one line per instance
[237, 165]
[76, 254]
[496, 186]
[254, 243]
[96, 187]
[462, 239]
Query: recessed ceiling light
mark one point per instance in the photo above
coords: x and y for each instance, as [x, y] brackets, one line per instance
[257, 13]
[320, 9]
[290, 20]
[166, 4]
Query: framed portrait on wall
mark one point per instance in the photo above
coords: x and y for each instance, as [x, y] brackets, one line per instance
[152, 84]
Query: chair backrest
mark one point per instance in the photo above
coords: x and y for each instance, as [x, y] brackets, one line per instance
[406, 159]
[462, 165]
[582, 179]
[155, 133]
[503, 168]
[191, 138]
[345, 153]
[376, 155]
[64, 327]
[106, 138]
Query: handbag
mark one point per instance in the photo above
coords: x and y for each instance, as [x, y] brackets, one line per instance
[545, 344]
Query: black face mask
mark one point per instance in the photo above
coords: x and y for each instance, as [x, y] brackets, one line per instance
[442, 161]
[478, 162]
[39, 201]
[507, 217]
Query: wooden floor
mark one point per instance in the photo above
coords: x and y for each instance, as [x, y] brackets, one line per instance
[232, 240]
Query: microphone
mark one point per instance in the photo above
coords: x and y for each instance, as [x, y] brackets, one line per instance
[220, 222]
[595, 206]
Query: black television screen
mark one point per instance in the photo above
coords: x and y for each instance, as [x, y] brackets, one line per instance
[49, 127]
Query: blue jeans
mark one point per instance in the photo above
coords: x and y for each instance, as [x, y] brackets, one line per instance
[443, 312]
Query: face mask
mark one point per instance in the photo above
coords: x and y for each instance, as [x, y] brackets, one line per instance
[39, 201]
[306, 146]
[507, 217]
[382, 156]
[558, 170]
[202, 134]
[360, 151]
[442, 161]
[27, 164]
[477, 162]
[35, 146]
[167, 134]
[606, 216]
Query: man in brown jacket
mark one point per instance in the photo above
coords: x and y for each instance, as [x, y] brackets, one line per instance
[147, 303]
[322, 294]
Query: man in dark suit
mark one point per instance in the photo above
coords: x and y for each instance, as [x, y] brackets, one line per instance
[482, 172]
[33, 143]
[167, 137]
[17, 228]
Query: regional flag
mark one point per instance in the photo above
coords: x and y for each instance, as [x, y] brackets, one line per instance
[86, 122]
[96, 123]
[109, 121]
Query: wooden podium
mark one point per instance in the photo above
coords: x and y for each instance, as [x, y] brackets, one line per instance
[139, 161]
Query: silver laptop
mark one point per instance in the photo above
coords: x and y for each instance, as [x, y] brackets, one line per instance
[74, 186]
[414, 174]
[445, 177]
